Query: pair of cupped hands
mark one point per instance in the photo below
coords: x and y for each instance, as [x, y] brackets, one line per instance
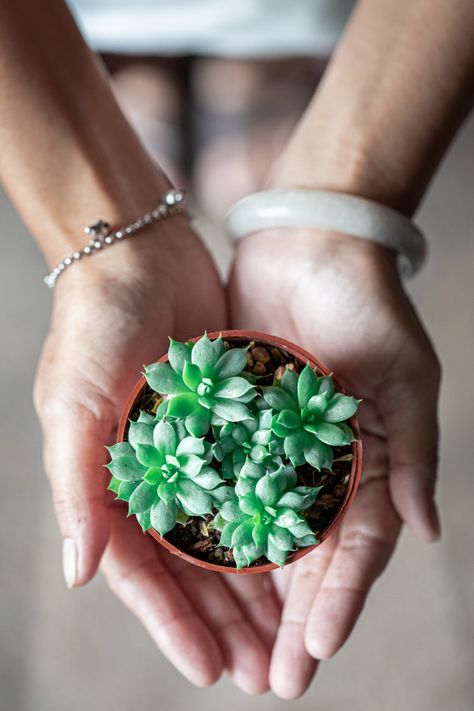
[341, 299]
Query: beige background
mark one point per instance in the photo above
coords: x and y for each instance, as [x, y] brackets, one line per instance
[414, 646]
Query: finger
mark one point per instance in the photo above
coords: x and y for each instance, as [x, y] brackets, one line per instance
[135, 572]
[74, 458]
[292, 668]
[257, 597]
[366, 541]
[408, 405]
[244, 654]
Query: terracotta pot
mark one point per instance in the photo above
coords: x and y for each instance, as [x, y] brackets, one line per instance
[304, 357]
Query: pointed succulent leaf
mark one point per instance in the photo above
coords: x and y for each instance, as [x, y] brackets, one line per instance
[219, 347]
[164, 438]
[307, 385]
[146, 418]
[301, 529]
[114, 485]
[244, 486]
[232, 388]
[282, 538]
[239, 557]
[318, 454]
[230, 510]
[252, 470]
[144, 520]
[317, 404]
[183, 405]
[326, 386]
[191, 445]
[279, 429]
[258, 453]
[295, 443]
[304, 541]
[140, 433]
[279, 399]
[121, 448]
[340, 408]
[149, 456]
[232, 363]
[126, 489]
[332, 434]
[267, 490]
[153, 475]
[260, 534]
[142, 498]
[163, 517]
[167, 492]
[262, 437]
[250, 505]
[191, 376]
[242, 535]
[193, 497]
[274, 554]
[286, 518]
[292, 500]
[231, 411]
[289, 382]
[207, 479]
[218, 523]
[252, 552]
[203, 355]
[289, 419]
[198, 423]
[126, 468]
[221, 494]
[178, 355]
[162, 409]
[162, 378]
[191, 464]
[227, 533]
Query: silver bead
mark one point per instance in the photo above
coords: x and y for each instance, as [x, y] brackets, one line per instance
[68, 261]
[108, 239]
[178, 196]
[87, 250]
[97, 244]
[61, 266]
[169, 198]
[147, 219]
[128, 229]
[118, 235]
[76, 255]
[163, 209]
[156, 214]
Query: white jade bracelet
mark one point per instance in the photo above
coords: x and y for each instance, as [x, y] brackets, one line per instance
[101, 236]
[331, 211]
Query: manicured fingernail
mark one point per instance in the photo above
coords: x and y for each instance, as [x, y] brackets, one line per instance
[69, 562]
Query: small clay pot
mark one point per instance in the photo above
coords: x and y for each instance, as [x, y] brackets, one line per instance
[303, 356]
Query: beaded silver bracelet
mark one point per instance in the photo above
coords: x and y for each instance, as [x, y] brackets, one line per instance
[101, 236]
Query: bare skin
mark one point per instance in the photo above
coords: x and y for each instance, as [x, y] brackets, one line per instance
[68, 156]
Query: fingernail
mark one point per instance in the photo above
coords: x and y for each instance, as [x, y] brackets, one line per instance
[69, 562]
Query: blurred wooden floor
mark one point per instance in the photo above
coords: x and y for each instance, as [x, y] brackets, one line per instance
[413, 649]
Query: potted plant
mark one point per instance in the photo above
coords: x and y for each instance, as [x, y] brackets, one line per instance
[237, 451]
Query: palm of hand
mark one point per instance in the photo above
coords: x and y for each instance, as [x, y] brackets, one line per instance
[342, 300]
[106, 325]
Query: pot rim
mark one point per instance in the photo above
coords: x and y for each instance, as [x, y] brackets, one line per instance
[356, 468]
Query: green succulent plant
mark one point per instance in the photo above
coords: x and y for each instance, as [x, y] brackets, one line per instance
[309, 416]
[267, 520]
[221, 445]
[203, 383]
[252, 440]
[163, 477]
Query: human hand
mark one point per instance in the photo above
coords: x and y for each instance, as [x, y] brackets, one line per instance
[341, 298]
[112, 314]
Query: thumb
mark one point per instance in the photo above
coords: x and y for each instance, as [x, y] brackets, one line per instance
[407, 402]
[74, 455]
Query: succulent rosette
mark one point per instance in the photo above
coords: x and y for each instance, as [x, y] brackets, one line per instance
[162, 476]
[267, 520]
[203, 383]
[310, 417]
[251, 440]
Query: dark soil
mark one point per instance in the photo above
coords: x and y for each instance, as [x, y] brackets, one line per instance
[201, 541]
